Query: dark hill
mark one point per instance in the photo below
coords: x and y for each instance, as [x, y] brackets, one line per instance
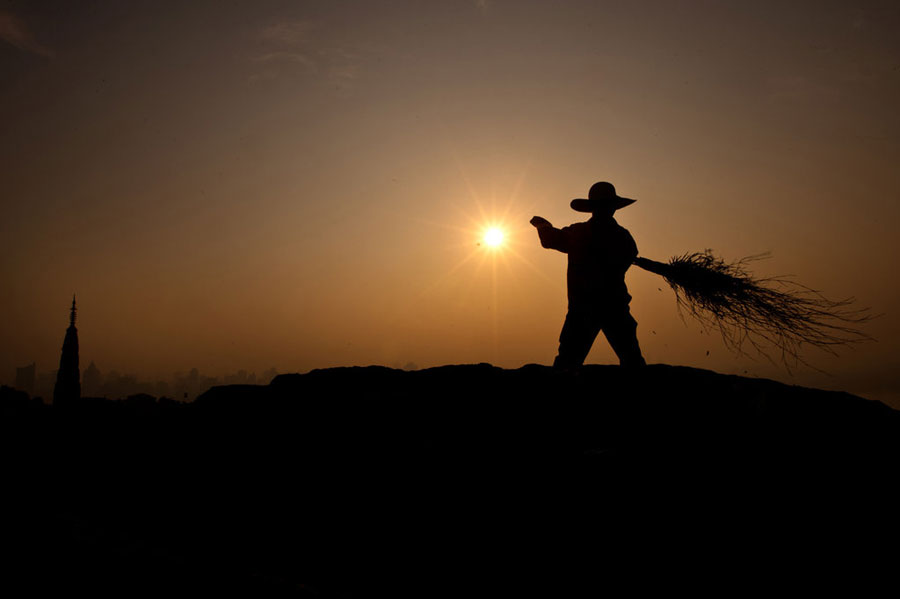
[452, 481]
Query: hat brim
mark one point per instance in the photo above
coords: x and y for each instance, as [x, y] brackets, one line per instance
[596, 205]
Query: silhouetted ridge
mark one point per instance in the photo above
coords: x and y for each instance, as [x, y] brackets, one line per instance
[608, 405]
[459, 480]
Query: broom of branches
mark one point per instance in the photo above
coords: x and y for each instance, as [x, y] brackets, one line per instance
[766, 314]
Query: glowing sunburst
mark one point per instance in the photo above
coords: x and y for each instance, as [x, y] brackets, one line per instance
[493, 237]
[489, 236]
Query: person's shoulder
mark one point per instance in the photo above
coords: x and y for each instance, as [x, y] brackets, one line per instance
[622, 229]
[575, 227]
[624, 235]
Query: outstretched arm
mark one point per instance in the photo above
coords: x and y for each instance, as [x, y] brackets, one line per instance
[551, 237]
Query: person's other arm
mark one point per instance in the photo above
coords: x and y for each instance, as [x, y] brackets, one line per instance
[551, 237]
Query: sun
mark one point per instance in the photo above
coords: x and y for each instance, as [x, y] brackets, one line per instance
[493, 237]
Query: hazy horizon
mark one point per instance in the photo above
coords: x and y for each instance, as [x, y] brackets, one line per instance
[249, 185]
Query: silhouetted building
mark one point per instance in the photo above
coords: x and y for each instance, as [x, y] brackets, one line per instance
[43, 385]
[268, 375]
[91, 381]
[25, 379]
[68, 386]
[241, 377]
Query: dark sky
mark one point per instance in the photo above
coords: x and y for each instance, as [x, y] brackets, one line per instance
[303, 184]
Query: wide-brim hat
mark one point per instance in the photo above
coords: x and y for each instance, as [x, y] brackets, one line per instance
[601, 197]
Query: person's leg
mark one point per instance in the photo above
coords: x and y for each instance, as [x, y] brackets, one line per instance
[621, 332]
[575, 340]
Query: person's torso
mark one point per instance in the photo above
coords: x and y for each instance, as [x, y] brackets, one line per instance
[599, 254]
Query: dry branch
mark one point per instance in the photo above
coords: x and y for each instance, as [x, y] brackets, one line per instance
[769, 314]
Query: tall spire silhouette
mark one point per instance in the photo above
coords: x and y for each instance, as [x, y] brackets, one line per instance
[68, 385]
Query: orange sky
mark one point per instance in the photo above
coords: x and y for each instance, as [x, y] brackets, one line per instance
[252, 184]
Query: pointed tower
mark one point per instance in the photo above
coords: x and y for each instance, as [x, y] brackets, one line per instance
[68, 386]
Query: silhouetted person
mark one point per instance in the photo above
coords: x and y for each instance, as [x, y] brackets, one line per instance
[600, 251]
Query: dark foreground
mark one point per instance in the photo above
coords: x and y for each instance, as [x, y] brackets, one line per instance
[454, 481]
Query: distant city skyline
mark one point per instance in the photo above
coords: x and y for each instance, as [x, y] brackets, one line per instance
[119, 385]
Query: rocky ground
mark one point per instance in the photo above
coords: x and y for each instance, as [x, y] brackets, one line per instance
[462, 480]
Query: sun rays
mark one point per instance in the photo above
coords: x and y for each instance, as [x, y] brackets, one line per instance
[493, 237]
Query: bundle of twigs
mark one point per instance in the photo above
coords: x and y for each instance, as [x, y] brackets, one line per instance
[771, 314]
